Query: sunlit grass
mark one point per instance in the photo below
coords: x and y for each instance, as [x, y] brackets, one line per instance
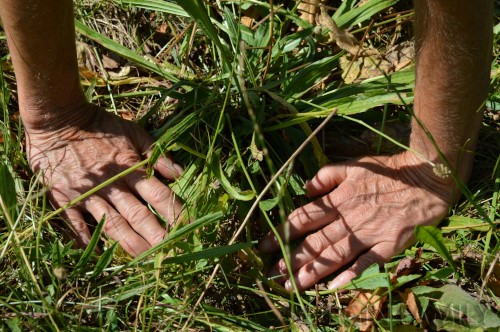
[232, 103]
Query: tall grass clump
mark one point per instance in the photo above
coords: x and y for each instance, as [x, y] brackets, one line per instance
[232, 89]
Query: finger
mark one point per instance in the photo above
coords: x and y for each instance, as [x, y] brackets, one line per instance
[165, 165]
[327, 178]
[72, 216]
[140, 218]
[78, 225]
[313, 245]
[305, 219]
[116, 227]
[330, 260]
[379, 254]
[157, 194]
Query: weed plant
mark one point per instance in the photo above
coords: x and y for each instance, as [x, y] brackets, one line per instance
[232, 89]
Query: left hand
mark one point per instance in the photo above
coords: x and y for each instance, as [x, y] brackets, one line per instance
[368, 215]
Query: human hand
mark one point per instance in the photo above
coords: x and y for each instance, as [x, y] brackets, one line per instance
[86, 152]
[368, 215]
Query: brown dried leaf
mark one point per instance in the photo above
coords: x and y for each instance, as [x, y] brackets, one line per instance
[109, 63]
[308, 10]
[364, 309]
[494, 280]
[411, 303]
[405, 267]
[247, 21]
[127, 115]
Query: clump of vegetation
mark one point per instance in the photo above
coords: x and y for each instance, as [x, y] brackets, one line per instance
[232, 89]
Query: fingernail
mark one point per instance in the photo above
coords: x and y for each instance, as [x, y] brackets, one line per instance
[305, 185]
[282, 267]
[337, 282]
[288, 285]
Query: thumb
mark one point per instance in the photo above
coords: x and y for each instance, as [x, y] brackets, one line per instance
[326, 179]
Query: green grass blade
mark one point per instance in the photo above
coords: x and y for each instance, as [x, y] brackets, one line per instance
[198, 12]
[207, 254]
[157, 6]
[104, 260]
[7, 190]
[363, 13]
[84, 259]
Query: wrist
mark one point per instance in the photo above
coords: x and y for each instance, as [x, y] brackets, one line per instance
[75, 113]
[446, 153]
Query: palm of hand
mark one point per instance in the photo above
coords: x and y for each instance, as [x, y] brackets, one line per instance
[368, 214]
[77, 158]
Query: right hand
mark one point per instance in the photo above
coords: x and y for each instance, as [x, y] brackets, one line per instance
[82, 153]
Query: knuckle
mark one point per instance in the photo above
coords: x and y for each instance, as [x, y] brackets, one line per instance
[112, 224]
[336, 253]
[316, 243]
[127, 158]
[136, 213]
[299, 217]
[159, 194]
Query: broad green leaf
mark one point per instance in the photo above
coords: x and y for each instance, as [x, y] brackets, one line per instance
[370, 279]
[471, 223]
[84, 259]
[7, 190]
[456, 304]
[433, 236]
[268, 204]
[165, 70]
[104, 260]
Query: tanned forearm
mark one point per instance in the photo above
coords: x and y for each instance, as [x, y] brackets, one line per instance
[41, 39]
[453, 41]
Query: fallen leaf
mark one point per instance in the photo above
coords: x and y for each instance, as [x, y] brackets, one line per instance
[109, 63]
[494, 280]
[247, 21]
[411, 303]
[308, 10]
[364, 308]
[405, 267]
[127, 115]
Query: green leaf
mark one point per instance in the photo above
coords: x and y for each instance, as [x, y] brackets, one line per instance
[268, 204]
[306, 78]
[84, 259]
[157, 6]
[363, 13]
[433, 237]
[370, 279]
[7, 190]
[471, 223]
[458, 306]
[104, 260]
[232, 191]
